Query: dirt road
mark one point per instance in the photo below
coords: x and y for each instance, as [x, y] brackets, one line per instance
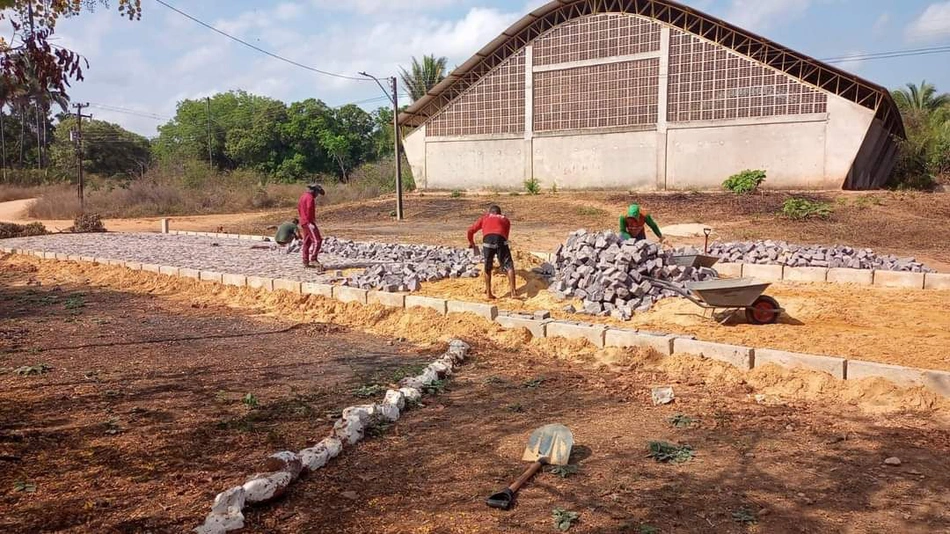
[15, 210]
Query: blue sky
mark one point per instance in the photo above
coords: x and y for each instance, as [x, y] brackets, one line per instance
[152, 64]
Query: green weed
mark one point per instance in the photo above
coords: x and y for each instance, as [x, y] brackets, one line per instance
[534, 383]
[564, 519]
[532, 186]
[368, 390]
[563, 471]
[456, 193]
[250, 400]
[665, 452]
[681, 421]
[800, 209]
[34, 370]
[744, 183]
[745, 516]
[434, 388]
[24, 486]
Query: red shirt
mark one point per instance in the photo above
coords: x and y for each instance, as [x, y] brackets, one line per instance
[490, 224]
[307, 209]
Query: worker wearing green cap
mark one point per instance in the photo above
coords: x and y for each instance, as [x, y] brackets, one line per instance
[632, 224]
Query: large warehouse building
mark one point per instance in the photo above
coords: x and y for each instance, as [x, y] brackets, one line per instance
[647, 95]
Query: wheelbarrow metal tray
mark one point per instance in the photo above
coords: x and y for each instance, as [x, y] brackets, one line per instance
[737, 293]
[694, 260]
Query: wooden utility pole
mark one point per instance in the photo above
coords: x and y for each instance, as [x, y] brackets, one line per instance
[210, 150]
[399, 215]
[79, 152]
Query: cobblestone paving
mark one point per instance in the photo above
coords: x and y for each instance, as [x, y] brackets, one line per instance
[204, 253]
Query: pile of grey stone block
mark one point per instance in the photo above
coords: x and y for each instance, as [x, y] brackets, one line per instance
[837, 256]
[611, 275]
[402, 267]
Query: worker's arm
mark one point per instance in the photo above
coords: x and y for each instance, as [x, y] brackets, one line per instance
[653, 226]
[472, 230]
[623, 224]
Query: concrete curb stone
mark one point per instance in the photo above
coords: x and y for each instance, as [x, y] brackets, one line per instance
[313, 288]
[537, 327]
[384, 298]
[858, 277]
[806, 274]
[350, 294]
[237, 280]
[900, 375]
[290, 286]
[899, 279]
[735, 355]
[595, 334]
[836, 367]
[487, 311]
[628, 338]
[211, 276]
[937, 281]
[260, 282]
[437, 304]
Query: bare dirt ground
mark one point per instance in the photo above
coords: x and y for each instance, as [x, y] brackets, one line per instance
[865, 323]
[138, 438]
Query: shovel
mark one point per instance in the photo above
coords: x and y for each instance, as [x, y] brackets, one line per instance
[551, 445]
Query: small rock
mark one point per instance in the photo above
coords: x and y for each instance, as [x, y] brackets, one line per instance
[893, 460]
[351, 495]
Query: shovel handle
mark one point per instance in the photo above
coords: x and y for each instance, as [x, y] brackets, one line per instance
[532, 469]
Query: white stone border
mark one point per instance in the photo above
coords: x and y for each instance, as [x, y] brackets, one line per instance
[282, 468]
[599, 335]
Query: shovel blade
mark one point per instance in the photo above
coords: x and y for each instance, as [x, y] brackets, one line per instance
[550, 444]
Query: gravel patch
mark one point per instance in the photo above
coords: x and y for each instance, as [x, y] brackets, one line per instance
[190, 252]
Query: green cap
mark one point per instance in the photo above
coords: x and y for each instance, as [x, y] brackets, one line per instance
[633, 210]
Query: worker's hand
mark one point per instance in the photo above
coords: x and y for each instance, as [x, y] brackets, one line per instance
[476, 251]
[663, 240]
[312, 226]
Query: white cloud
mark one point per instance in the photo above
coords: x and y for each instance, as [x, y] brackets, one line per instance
[881, 23]
[289, 11]
[853, 65]
[758, 15]
[932, 25]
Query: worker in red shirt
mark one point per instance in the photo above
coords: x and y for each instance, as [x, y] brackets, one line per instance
[307, 213]
[494, 227]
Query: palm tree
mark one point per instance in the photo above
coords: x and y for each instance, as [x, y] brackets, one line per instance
[921, 98]
[423, 76]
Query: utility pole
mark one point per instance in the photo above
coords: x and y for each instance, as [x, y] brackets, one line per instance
[79, 152]
[399, 216]
[394, 98]
[210, 150]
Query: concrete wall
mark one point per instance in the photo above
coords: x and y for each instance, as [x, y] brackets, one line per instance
[475, 163]
[604, 160]
[792, 153]
[415, 146]
[848, 125]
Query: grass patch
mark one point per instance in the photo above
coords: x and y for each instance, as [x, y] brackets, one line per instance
[590, 211]
[564, 519]
[34, 370]
[744, 516]
[665, 452]
[532, 186]
[368, 390]
[24, 486]
[456, 193]
[681, 421]
[563, 471]
[534, 383]
[250, 400]
[515, 408]
[434, 388]
[75, 302]
[800, 209]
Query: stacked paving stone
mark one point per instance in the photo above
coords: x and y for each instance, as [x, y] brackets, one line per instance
[402, 267]
[610, 275]
[782, 253]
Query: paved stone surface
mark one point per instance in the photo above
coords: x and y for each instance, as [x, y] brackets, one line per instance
[192, 252]
[833, 366]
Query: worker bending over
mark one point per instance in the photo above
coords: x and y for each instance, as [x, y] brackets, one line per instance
[632, 225]
[495, 228]
[307, 213]
[288, 235]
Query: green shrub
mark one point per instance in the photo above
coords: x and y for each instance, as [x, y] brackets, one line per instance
[533, 186]
[21, 230]
[800, 209]
[456, 193]
[744, 183]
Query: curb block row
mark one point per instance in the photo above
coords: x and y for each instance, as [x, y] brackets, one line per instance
[744, 358]
[282, 468]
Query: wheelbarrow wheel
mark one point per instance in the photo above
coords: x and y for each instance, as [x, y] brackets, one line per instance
[765, 310]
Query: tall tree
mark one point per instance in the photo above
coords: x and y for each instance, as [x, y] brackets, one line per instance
[108, 149]
[920, 98]
[29, 51]
[423, 75]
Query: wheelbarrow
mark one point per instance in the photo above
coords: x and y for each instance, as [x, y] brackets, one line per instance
[730, 297]
[694, 260]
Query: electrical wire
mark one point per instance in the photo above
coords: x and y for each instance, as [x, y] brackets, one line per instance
[889, 54]
[259, 49]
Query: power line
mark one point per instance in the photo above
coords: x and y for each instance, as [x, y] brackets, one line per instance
[890, 54]
[127, 111]
[257, 48]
